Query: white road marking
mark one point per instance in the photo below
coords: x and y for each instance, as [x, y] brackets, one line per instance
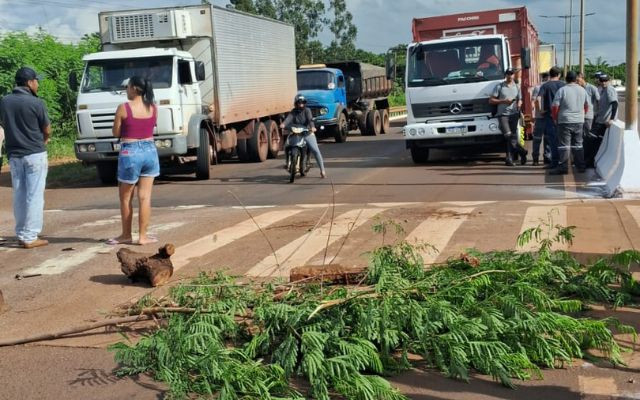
[154, 229]
[65, 262]
[320, 205]
[251, 207]
[547, 202]
[635, 213]
[53, 211]
[206, 244]
[301, 250]
[468, 203]
[437, 230]
[190, 207]
[538, 216]
[392, 205]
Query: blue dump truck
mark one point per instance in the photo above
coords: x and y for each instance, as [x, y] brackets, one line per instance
[345, 96]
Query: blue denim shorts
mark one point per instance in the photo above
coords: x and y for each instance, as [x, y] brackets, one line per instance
[137, 159]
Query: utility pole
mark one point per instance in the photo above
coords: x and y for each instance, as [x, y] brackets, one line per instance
[631, 96]
[566, 20]
[570, 32]
[582, 37]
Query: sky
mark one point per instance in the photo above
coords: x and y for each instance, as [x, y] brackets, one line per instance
[381, 23]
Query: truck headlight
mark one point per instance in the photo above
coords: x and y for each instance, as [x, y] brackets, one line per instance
[91, 147]
[493, 126]
[82, 148]
[412, 132]
[158, 143]
[166, 143]
[324, 111]
[421, 131]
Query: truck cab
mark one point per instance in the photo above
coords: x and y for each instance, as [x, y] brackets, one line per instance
[325, 91]
[174, 77]
[448, 85]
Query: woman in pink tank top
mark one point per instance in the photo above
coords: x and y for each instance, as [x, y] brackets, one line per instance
[138, 163]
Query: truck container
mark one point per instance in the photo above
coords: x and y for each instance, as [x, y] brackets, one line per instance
[546, 57]
[346, 96]
[222, 80]
[453, 65]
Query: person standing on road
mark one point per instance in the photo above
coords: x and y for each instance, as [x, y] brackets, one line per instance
[538, 127]
[593, 98]
[27, 127]
[301, 115]
[545, 99]
[568, 109]
[506, 95]
[138, 163]
[604, 117]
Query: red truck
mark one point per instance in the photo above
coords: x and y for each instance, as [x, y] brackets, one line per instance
[453, 65]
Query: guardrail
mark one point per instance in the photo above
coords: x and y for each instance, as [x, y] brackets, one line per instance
[400, 111]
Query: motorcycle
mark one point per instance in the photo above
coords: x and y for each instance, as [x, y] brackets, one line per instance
[297, 152]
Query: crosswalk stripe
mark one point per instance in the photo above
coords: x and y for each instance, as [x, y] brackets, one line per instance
[206, 244]
[65, 262]
[301, 250]
[635, 213]
[438, 229]
[539, 216]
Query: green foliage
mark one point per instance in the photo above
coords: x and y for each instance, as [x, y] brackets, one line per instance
[54, 60]
[505, 314]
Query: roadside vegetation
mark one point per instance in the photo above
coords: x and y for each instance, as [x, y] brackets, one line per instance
[506, 314]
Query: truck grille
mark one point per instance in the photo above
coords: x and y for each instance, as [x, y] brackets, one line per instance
[103, 120]
[450, 108]
[139, 26]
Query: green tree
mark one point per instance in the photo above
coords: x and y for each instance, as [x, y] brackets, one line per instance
[343, 46]
[244, 5]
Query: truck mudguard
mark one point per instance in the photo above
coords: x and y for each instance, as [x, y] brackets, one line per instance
[193, 137]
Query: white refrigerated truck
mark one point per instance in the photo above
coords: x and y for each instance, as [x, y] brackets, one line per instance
[222, 81]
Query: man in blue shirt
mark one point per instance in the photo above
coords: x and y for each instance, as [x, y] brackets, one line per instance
[545, 99]
[27, 128]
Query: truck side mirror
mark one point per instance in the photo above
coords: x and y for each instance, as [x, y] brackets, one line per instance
[390, 64]
[200, 74]
[73, 81]
[525, 57]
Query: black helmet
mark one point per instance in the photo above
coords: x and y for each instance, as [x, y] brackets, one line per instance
[300, 99]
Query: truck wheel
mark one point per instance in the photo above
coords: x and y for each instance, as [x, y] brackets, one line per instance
[242, 151]
[386, 124]
[258, 143]
[204, 156]
[362, 124]
[374, 123]
[275, 138]
[341, 130]
[419, 155]
[107, 172]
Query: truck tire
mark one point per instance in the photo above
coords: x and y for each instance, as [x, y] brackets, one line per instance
[204, 156]
[107, 172]
[242, 151]
[258, 143]
[341, 130]
[419, 155]
[386, 124]
[275, 138]
[374, 123]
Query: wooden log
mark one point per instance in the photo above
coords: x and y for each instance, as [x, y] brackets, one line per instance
[2, 304]
[332, 274]
[156, 269]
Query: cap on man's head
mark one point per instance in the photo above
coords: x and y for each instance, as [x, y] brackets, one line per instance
[603, 78]
[26, 74]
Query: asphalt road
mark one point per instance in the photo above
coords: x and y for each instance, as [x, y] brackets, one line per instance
[455, 202]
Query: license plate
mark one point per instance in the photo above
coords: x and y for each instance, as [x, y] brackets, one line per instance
[456, 129]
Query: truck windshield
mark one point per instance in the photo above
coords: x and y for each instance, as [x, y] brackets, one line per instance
[315, 80]
[455, 62]
[110, 75]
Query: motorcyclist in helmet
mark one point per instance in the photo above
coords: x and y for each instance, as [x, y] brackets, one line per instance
[301, 115]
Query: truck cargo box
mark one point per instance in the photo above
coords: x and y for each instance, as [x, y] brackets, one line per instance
[364, 81]
[250, 61]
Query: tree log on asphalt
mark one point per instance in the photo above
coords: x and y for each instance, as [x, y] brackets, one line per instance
[156, 269]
